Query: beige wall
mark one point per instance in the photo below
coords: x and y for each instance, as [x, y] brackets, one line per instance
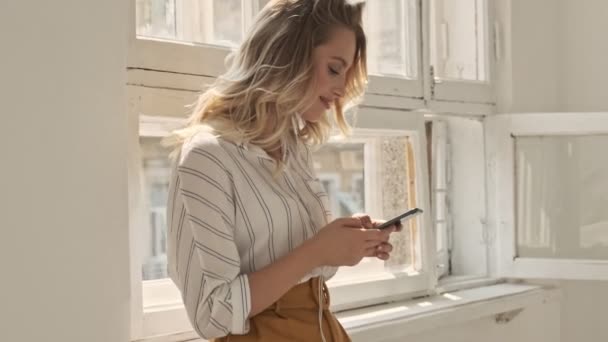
[554, 55]
[64, 244]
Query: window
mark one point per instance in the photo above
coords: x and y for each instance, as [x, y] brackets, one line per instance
[156, 18]
[350, 162]
[458, 34]
[384, 192]
[337, 165]
[213, 22]
[174, 35]
[560, 197]
[382, 170]
[459, 54]
[550, 171]
[392, 29]
[394, 24]
[438, 156]
[156, 172]
[458, 196]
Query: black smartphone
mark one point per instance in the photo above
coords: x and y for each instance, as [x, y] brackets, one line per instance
[410, 213]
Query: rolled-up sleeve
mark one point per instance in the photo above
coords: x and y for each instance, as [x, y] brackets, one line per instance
[215, 292]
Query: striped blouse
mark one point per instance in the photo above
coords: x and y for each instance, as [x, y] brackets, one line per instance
[228, 216]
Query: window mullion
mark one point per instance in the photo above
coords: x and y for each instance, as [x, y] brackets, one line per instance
[250, 9]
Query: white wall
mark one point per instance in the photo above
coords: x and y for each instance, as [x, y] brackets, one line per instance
[63, 197]
[554, 55]
[583, 68]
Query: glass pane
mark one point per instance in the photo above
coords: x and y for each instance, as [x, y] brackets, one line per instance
[340, 169]
[156, 172]
[217, 22]
[458, 39]
[156, 18]
[392, 29]
[399, 193]
[227, 23]
[562, 197]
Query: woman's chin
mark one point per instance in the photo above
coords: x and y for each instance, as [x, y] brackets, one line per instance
[313, 117]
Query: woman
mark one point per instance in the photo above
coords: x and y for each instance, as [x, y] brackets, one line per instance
[250, 244]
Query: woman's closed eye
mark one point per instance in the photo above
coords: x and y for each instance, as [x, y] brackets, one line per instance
[333, 71]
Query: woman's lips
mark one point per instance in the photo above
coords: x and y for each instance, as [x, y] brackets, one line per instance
[325, 102]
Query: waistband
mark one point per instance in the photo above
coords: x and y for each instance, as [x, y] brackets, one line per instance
[304, 296]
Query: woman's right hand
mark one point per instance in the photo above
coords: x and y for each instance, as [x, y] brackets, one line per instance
[344, 242]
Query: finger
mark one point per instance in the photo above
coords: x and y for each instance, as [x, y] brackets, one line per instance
[371, 252]
[376, 223]
[386, 237]
[371, 244]
[377, 234]
[351, 222]
[383, 256]
[374, 251]
[386, 233]
[384, 248]
[366, 222]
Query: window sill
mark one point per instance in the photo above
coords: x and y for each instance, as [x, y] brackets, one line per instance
[395, 320]
[403, 318]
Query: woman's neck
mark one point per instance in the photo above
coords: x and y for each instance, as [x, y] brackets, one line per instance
[276, 154]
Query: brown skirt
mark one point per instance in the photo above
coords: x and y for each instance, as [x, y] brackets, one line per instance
[295, 318]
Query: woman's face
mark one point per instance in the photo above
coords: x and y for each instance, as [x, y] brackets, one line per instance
[331, 61]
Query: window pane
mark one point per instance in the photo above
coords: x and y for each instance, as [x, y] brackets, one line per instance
[217, 22]
[399, 181]
[561, 197]
[340, 169]
[392, 29]
[227, 23]
[156, 18]
[156, 172]
[458, 39]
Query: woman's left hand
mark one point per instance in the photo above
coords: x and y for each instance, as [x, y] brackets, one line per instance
[383, 250]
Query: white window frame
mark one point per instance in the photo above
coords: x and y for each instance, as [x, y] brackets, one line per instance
[166, 55]
[501, 165]
[163, 312]
[463, 91]
[373, 198]
[182, 58]
[156, 307]
[463, 164]
[440, 185]
[155, 54]
[163, 75]
[385, 87]
[382, 286]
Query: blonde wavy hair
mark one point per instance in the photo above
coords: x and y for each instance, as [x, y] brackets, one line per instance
[270, 77]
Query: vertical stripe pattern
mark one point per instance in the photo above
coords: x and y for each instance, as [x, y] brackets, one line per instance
[228, 216]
